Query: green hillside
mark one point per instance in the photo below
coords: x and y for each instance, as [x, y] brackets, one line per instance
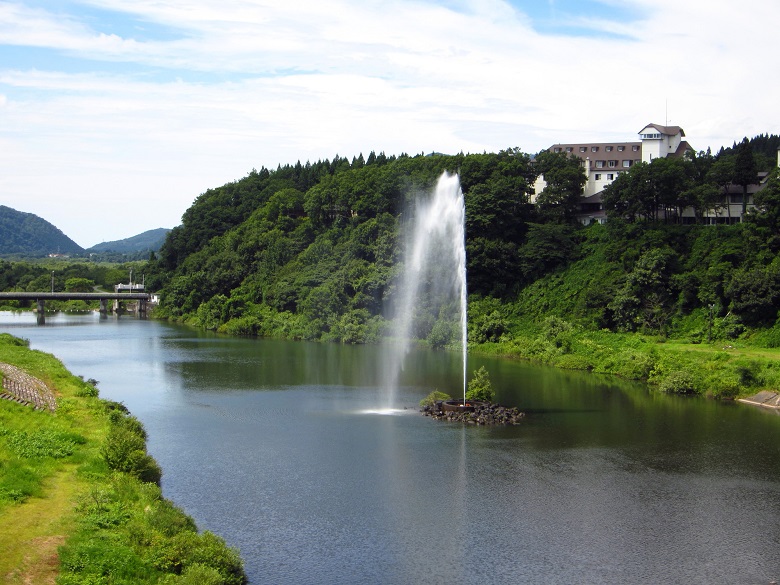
[314, 251]
[148, 241]
[26, 234]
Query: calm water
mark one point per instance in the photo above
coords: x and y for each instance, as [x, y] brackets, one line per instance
[273, 446]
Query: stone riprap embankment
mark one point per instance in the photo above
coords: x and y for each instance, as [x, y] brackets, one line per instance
[484, 413]
[23, 388]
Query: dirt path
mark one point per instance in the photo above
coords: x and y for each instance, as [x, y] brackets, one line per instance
[30, 533]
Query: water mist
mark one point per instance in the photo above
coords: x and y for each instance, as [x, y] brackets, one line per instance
[434, 275]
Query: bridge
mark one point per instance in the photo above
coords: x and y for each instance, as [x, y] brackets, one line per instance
[103, 297]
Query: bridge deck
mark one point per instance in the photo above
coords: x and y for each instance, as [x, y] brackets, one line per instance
[72, 296]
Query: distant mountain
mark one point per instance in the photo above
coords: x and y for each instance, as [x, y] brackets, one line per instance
[147, 241]
[29, 235]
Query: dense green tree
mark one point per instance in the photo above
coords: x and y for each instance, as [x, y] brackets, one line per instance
[765, 217]
[631, 196]
[314, 251]
[565, 178]
[721, 174]
[745, 171]
[671, 178]
[643, 301]
[79, 285]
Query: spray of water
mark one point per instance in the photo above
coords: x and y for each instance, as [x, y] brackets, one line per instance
[434, 277]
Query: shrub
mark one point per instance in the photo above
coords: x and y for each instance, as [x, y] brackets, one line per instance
[166, 518]
[557, 334]
[195, 574]
[210, 550]
[678, 382]
[479, 387]
[434, 397]
[125, 450]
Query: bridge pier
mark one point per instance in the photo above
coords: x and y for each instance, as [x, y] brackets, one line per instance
[103, 306]
[41, 304]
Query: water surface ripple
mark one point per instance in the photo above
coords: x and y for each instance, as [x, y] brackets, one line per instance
[277, 447]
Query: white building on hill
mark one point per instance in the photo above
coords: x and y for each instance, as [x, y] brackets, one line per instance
[604, 161]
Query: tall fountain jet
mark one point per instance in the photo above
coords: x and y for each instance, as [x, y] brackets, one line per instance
[434, 276]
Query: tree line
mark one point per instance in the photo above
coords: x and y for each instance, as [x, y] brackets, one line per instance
[314, 250]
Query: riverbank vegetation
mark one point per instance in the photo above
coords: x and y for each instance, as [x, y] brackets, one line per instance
[313, 251]
[79, 496]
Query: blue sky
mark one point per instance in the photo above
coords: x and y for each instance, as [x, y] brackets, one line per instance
[116, 114]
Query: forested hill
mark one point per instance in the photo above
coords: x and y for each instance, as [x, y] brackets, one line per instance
[313, 251]
[29, 235]
[148, 241]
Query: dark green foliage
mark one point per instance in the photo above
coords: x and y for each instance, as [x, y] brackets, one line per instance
[755, 294]
[745, 169]
[149, 241]
[546, 248]
[315, 252]
[487, 320]
[27, 234]
[319, 259]
[559, 200]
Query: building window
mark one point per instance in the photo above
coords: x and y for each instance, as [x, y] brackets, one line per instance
[599, 164]
[583, 149]
[649, 136]
[610, 177]
[608, 149]
[594, 148]
[621, 148]
[612, 164]
[598, 176]
[626, 164]
[557, 149]
[635, 148]
[569, 149]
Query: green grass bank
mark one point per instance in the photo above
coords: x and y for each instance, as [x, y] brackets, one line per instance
[80, 500]
[724, 369]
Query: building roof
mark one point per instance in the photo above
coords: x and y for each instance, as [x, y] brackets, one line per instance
[665, 130]
[682, 148]
[618, 151]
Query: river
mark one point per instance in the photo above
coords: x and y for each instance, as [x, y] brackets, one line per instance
[277, 447]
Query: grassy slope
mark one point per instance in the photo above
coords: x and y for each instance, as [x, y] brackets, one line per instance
[727, 369]
[40, 493]
[31, 532]
[65, 516]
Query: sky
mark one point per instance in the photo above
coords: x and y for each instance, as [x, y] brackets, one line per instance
[116, 114]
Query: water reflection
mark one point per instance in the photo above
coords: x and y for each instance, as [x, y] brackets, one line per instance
[273, 446]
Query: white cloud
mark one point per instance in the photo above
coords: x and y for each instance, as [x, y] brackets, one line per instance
[248, 84]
